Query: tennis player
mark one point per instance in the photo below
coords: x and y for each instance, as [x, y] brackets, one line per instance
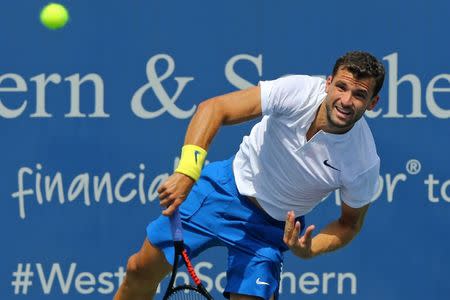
[312, 140]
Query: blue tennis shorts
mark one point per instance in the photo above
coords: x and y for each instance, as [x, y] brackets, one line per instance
[215, 214]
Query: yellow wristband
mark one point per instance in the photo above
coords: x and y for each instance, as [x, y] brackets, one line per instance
[191, 161]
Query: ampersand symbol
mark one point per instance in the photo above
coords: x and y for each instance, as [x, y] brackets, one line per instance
[154, 83]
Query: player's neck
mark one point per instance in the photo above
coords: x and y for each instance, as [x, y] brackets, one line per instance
[316, 124]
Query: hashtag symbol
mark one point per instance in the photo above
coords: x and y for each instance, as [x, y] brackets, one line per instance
[22, 279]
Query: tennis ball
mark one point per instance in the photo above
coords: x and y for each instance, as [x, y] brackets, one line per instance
[54, 16]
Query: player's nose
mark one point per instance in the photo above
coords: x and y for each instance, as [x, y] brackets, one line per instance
[346, 99]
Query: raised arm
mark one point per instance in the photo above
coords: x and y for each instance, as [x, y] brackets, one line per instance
[227, 109]
[334, 236]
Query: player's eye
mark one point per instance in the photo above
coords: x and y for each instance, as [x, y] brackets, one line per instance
[340, 87]
[361, 95]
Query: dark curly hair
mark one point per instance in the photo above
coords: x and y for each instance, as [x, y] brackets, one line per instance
[362, 65]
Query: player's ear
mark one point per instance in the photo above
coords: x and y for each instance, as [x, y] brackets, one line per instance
[328, 83]
[373, 102]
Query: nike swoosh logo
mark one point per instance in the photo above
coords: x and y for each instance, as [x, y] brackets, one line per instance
[196, 153]
[258, 281]
[325, 162]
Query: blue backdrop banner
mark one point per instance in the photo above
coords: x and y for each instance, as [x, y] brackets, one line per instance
[93, 117]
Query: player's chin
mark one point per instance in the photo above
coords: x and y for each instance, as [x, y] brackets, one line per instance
[340, 122]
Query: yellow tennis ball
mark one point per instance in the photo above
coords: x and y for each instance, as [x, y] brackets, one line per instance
[54, 16]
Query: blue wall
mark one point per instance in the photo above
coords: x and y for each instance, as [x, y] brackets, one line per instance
[109, 96]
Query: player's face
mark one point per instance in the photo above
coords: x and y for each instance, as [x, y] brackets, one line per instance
[347, 99]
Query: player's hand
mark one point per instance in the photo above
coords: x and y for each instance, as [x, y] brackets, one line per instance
[174, 191]
[300, 246]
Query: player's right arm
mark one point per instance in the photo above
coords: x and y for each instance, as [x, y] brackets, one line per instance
[232, 108]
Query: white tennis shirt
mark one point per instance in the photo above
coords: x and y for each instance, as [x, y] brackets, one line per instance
[276, 165]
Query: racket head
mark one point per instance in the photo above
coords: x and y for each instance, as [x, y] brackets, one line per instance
[187, 292]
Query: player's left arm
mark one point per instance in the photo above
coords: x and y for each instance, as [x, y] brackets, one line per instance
[334, 236]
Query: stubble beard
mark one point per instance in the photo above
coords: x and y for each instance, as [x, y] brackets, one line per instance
[332, 123]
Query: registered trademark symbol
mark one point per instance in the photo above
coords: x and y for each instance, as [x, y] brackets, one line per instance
[413, 166]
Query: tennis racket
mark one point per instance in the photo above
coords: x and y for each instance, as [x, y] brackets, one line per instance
[188, 292]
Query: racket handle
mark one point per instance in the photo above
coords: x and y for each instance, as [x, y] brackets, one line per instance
[175, 226]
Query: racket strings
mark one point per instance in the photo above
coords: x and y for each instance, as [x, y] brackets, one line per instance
[186, 294]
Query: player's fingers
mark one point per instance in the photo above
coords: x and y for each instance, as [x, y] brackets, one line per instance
[309, 231]
[167, 212]
[167, 186]
[161, 188]
[166, 195]
[295, 233]
[171, 208]
[288, 227]
[305, 240]
[163, 195]
[287, 224]
[169, 198]
[166, 202]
